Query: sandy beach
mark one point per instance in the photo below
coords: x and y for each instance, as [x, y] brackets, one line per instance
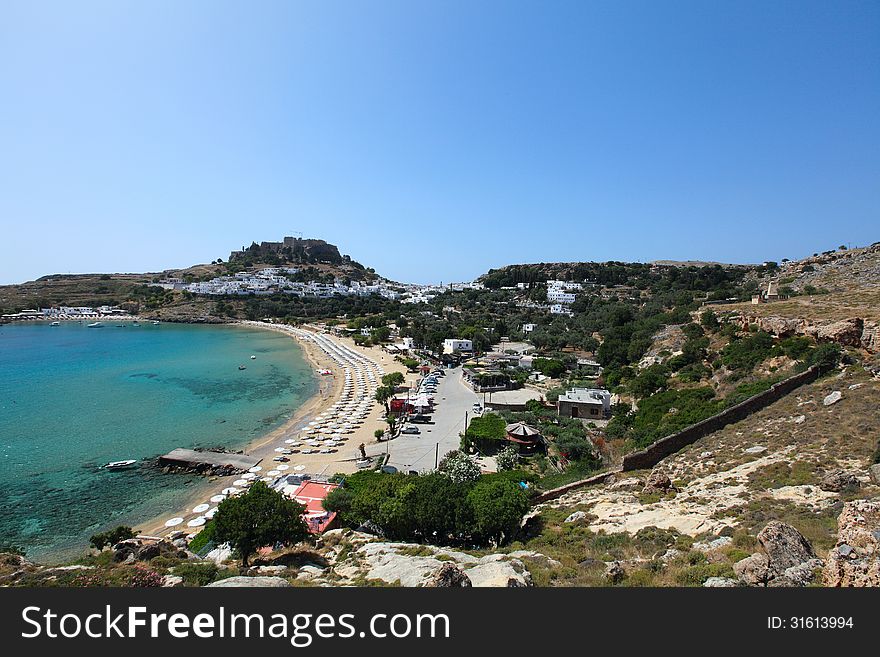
[330, 390]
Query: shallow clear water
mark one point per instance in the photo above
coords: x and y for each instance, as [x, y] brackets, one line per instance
[73, 398]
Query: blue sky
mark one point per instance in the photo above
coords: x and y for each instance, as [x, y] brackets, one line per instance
[434, 140]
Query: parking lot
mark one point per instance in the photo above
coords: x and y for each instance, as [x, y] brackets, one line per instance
[417, 451]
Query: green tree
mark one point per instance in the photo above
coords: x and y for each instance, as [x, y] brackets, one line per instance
[393, 379]
[258, 518]
[497, 507]
[550, 367]
[383, 394]
[709, 320]
[111, 537]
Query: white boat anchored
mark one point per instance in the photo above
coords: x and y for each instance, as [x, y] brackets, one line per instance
[55, 324]
[120, 465]
[94, 325]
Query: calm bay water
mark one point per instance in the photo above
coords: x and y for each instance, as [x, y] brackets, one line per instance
[73, 398]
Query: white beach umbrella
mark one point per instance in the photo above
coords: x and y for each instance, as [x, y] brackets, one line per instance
[298, 468]
[248, 476]
[196, 522]
[173, 522]
[237, 482]
[256, 468]
[272, 473]
[211, 513]
[231, 490]
[268, 480]
[290, 441]
[201, 508]
[218, 498]
[283, 467]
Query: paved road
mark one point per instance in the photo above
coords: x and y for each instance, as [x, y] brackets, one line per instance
[416, 452]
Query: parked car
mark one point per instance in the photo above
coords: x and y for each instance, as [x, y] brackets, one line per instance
[411, 430]
[420, 419]
[281, 459]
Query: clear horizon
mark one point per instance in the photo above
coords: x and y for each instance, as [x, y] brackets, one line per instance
[437, 141]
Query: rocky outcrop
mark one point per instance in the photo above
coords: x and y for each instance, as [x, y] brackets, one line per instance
[576, 516]
[414, 565]
[614, 572]
[628, 484]
[449, 576]
[847, 332]
[659, 482]
[855, 559]
[135, 549]
[839, 481]
[247, 582]
[785, 546]
[788, 559]
[753, 570]
[852, 332]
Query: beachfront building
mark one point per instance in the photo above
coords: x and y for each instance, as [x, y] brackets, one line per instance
[585, 403]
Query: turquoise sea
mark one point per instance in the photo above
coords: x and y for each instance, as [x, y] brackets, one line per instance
[73, 398]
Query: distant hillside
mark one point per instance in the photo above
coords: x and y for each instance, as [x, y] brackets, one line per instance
[639, 275]
[316, 259]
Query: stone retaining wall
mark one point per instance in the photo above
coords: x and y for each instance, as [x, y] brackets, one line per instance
[657, 451]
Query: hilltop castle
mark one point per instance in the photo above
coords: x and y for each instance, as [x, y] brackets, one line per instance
[294, 249]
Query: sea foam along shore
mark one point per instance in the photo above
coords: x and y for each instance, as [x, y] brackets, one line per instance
[315, 347]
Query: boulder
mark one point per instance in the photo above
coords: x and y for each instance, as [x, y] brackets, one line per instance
[500, 574]
[838, 481]
[449, 576]
[239, 582]
[170, 581]
[753, 570]
[803, 574]
[855, 560]
[628, 484]
[658, 482]
[833, 398]
[785, 547]
[576, 516]
[614, 572]
[720, 582]
[874, 473]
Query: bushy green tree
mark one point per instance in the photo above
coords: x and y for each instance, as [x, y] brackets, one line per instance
[498, 507]
[258, 518]
[111, 537]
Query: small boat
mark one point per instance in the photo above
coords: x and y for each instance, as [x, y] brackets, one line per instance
[94, 325]
[55, 324]
[136, 325]
[120, 465]
[155, 323]
[242, 367]
[253, 358]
